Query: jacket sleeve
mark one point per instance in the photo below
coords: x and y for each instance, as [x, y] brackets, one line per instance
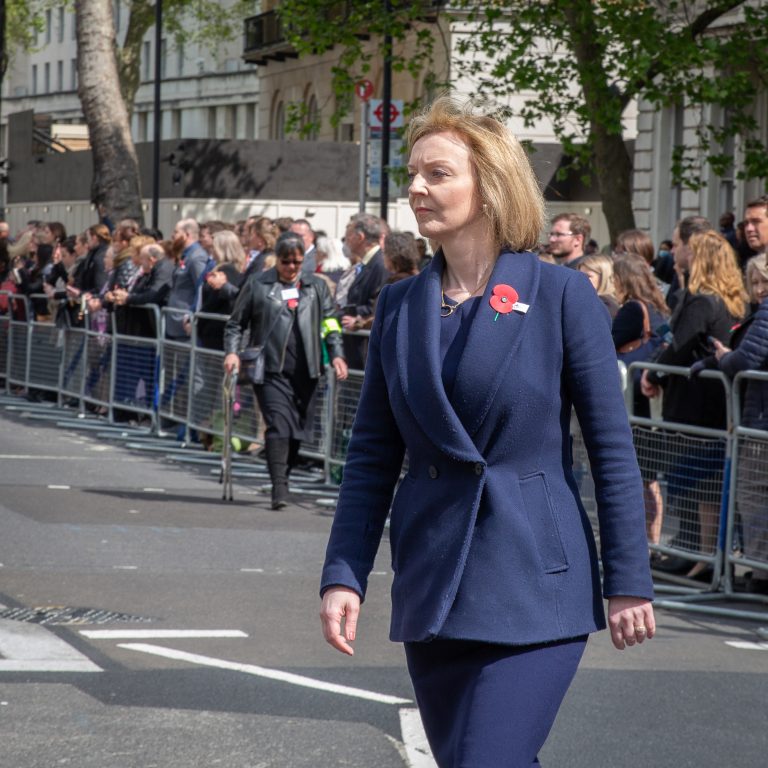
[752, 353]
[330, 329]
[158, 287]
[374, 460]
[591, 377]
[240, 318]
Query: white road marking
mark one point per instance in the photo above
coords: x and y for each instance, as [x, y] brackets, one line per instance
[59, 487]
[271, 674]
[417, 751]
[157, 634]
[125, 567]
[252, 570]
[32, 648]
[745, 645]
[153, 490]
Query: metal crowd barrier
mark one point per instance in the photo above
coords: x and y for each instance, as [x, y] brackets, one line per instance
[706, 489]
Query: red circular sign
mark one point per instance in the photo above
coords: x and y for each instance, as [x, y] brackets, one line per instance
[394, 113]
[364, 89]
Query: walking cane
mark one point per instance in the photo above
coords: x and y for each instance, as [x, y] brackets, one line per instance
[228, 392]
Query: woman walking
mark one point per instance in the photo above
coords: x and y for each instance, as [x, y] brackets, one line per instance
[474, 367]
[289, 314]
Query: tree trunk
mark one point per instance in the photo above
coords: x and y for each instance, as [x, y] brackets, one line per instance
[140, 21]
[605, 105]
[115, 183]
[613, 168]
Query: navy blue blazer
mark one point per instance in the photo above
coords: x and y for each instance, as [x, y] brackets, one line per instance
[489, 538]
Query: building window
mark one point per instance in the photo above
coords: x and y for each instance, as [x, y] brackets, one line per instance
[163, 58]
[727, 178]
[146, 59]
[142, 126]
[278, 121]
[48, 25]
[47, 78]
[312, 118]
[73, 74]
[250, 121]
[180, 60]
[60, 30]
[212, 123]
[34, 79]
[678, 129]
[175, 124]
[59, 76]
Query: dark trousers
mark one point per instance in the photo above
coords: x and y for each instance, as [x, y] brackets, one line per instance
[486, 705]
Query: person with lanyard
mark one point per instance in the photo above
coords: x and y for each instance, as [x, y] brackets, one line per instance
[474, 367]
[289, 314]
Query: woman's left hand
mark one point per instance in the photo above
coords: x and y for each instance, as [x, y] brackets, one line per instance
[720, 349]
[630, 620]
[340, 367]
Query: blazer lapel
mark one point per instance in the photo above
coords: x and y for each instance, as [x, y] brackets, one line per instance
[492, 341]
[419, 365]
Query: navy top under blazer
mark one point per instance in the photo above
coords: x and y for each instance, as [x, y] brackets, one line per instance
[489, 538]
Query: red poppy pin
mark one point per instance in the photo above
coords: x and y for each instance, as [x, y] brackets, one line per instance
[503, 299]
[293, 303]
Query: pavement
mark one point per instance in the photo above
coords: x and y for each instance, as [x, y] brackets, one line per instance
[149, 623]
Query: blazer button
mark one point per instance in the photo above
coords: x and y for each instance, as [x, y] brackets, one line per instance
[478, 469]
[433, 471]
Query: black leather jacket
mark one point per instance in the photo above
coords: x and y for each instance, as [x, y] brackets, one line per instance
[260, 304]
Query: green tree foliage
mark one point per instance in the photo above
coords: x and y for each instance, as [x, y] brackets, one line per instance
[318, 26]
[578, 64]
[185, 22]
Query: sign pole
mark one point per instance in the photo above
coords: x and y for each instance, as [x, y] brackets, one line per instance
[364, 91]
[363, 152]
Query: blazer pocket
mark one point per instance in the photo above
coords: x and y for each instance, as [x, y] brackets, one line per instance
[543, 522]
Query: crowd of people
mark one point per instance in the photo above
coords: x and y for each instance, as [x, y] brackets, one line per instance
[696, 300]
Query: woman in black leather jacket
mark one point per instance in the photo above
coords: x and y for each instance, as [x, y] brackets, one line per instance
[290, 314]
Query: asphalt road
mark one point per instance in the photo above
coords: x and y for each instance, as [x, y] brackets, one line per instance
[104, 538]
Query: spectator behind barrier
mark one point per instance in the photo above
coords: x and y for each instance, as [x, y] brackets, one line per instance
[638, 330]
[599, 269]
[749, 351]
[713, 301]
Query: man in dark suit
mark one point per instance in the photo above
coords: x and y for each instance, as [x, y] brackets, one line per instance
[363, 237]
[303, 229]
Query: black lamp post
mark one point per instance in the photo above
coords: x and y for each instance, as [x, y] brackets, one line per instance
[386, 117]
[158, 117]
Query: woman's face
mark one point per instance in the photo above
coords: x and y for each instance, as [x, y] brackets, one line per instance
[289, 266]
[443, 191]
[594, 277]
[46, 236]
[758, 286]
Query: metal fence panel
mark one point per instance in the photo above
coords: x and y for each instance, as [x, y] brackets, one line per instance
[45, 352]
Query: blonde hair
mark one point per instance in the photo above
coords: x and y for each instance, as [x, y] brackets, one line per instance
[757, 264]
[714, 271]
[602, 266]
[227, 249]
[506, 184]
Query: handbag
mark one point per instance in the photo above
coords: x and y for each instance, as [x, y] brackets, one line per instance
[253, 360]
[251, 365]
[631, 346]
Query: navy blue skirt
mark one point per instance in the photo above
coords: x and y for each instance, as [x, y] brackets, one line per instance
[490, 706]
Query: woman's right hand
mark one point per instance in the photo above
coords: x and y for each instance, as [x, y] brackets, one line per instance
[647, 388]
[340, 603]
[231, 362]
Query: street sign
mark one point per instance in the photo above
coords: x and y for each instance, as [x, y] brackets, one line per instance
[364, 89]
[395, 119]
